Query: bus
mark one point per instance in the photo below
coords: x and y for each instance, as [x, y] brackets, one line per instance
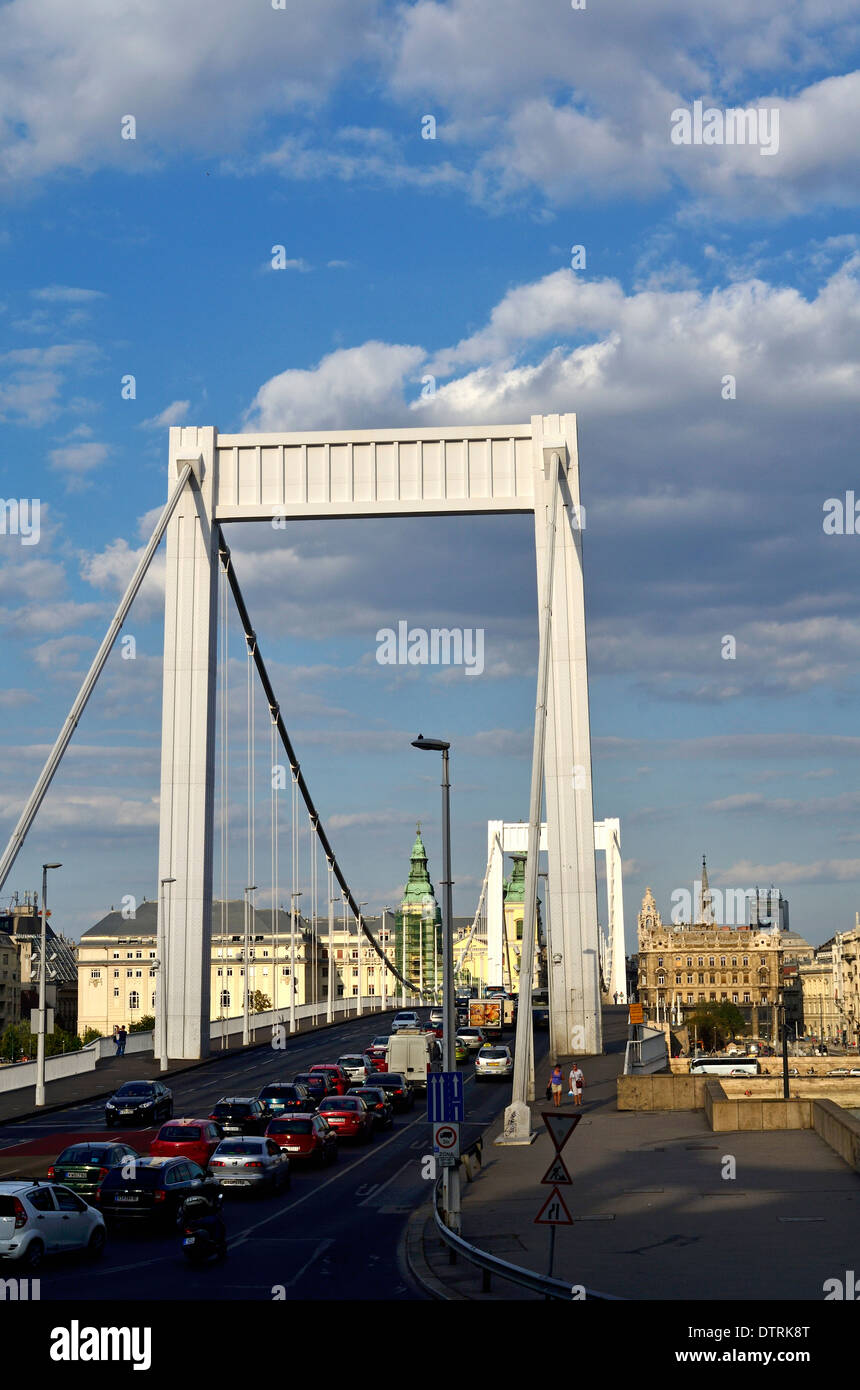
[724, 1066]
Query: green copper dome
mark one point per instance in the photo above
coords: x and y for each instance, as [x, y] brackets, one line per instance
[515, 886]
[419, 890]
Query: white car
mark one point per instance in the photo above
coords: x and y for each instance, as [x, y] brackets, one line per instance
[493, 1061]
[474, 1038]
[358, 1067]
[407, 1018]
[257, 1163]
[41, 1218]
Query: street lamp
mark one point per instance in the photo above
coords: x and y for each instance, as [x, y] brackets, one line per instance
[161, 988]
[360, 945]
[293, 897]
[40, 1042]
[450, 1176]
[246, 1006]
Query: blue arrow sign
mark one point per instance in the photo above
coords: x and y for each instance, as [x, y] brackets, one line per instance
[445, 1101]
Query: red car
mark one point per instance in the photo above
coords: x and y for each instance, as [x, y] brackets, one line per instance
[348, 1116]
[305, 1136]
[336, 1074]
[194, 1139]
[378, 1054]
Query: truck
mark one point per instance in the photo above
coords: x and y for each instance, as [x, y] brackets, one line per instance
[487, 1014]
[414, 1053]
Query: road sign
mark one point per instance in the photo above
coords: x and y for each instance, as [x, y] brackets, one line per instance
[637, 1013]
[446, 1139]
[554, 1212]
[557, 1173]
[560, 1126]
[445, 1097]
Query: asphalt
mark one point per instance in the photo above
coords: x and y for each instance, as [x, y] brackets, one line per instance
[653, 1216]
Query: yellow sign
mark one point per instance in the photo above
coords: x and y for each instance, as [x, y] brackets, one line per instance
[637, 1013]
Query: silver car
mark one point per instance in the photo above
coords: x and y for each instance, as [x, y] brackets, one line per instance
[357, 1066]
[251, 1162]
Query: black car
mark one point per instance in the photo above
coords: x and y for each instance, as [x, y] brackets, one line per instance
[317, 1085]
[378, 1102]
[286, 1097]
[397, 1088]
[156, 1189]
[240, 1115]
[83, 1167]
[139, 1102]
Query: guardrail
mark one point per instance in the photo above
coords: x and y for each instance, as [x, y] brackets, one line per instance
[514, 1274]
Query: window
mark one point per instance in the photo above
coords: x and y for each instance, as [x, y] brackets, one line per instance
[659, 960]
[128, 974]
[225, 999]
[711, 977]
[116, 974]
[230, 971]
[677, 979]
[701, 998]
[116, 992]
[355, 989]
[134, 1000]
[701, 980]
[220, 972]
[689, 998]
[138, 974]
[152, 1001]
[734, 960]
[41, 1199]
[747, 997]
[713, 994]
[746, 960]
[152, 955]
[116, 955]
[689, 961]
[138, 955]
[95, 974]
[735, 997]
[722, 960]
[700, 960]
[710, 960]
[689, 979]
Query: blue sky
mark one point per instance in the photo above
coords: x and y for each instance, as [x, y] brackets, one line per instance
[302, 127]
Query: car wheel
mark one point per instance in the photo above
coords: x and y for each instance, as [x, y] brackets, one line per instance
[32, 1260]
[96, 1243]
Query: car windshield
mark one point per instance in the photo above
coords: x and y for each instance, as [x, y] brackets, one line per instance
[233, 1147]
[272, 1092]
[79, 1154]
[174, 1134]
[225, 1109]
[304, 1079]
[351, 1061]
[147, 1178]
[291, 1127]
[495, 1052]
[135, 1088]
[380, 1042]
[372, 1097]
[341, 1103]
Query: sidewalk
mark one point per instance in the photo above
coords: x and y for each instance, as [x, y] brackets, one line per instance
[654, 1217]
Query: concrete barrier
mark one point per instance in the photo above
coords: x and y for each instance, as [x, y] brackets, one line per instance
[838, 1129]
[660, 1092]
[20, 1074]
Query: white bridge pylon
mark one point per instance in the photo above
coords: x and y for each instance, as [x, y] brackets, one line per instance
[371, 473]
[511, 837]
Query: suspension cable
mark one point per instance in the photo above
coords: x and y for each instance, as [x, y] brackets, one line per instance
[295, 767]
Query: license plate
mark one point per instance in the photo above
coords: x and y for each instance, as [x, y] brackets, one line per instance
[231, 1129]
[76, 1172]
[126, 1112]
[188, 1240]
[293, 1148]
[334, 1120]
[235, 1182]
[126, 1199]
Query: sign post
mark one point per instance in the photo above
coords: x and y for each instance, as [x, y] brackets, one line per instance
[554, 1211]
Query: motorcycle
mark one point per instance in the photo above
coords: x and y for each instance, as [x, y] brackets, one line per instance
[204, 1234]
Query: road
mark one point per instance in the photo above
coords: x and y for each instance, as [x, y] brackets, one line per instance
[334, 1234]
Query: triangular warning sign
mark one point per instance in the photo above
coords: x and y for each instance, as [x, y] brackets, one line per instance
[554, 1212]
[557, 1173]
[560, 1127]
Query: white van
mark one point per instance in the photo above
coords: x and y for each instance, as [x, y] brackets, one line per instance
[413, 1053]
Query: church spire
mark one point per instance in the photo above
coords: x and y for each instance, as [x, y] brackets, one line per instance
[707, 898]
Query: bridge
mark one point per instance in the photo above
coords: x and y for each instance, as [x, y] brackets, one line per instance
[283, 479]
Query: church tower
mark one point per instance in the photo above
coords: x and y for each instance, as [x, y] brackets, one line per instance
[418, 924]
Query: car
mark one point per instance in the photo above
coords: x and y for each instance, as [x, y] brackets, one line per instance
[155, 1191]
[285, 1097]
[39, 1219]
[357, 1066]
[240, 1115]
[461, 1051]
[839, 1071]
[474, 1038]
[493, 1061]
[317, 1084]
[349, 1116]
[378, 1103]
[307, 1136]
[187, 1138]
[83, 1167]
[139, 1102]
[377, 1052]
[437, 1029]
[259, 1163]
[407, 1018]
[335, 1074]
[397, 1087]
[437, 1015]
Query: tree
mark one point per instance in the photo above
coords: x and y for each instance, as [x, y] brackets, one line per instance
[716, 1023]
[145, 1024]
[89, 1035]
[260, 1002]
[60, 1041]
[17, 1041]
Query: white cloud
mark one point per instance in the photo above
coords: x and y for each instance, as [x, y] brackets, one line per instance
[66, 294]
[174, 414]
[32, 379]
[76, 461]
[360, 384]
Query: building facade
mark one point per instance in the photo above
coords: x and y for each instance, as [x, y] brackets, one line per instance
[418, 925]
[10, 983]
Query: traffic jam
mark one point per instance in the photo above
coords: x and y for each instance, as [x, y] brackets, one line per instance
[246, 1145]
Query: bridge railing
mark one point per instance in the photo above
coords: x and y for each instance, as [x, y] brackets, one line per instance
[514, 1274]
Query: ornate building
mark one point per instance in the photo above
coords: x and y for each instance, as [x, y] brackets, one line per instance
[418, 925]
[683, 966]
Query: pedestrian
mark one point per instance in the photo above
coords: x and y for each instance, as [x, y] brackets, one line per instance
[556, 1082]
[576, 1080]
[123, 1035]
[116, 1039]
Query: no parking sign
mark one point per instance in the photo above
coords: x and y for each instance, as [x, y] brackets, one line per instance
[446, 1139]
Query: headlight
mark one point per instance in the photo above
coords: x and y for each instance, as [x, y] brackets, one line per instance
[110, 1105]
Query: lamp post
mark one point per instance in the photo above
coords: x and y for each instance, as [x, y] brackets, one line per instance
[360, 935]
[161, 989]
[293, 897]
[246, 1007]
[40, 1042]
[450, 1176]
[385, 911]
